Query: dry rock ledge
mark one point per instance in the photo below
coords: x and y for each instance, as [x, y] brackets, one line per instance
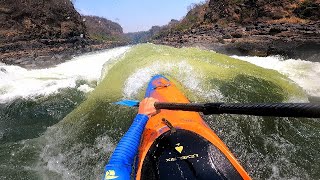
[289, 40]
[250, 27]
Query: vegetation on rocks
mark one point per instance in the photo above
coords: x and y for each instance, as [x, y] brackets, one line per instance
[249, 27]
[41, 33]
[102, 29]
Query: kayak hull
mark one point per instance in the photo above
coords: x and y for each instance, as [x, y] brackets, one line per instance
[168, 121]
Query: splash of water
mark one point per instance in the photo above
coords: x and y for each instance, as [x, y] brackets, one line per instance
[192, 81]
[19, 82]
[305, 73]
[78, 146]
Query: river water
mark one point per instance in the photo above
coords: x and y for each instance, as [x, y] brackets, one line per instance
[60, 123]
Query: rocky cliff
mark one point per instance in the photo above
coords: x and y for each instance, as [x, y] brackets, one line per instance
[146, 36]
[47, 19]
[37, 33]
[143, 36]
[248, 11]
[102, 29]
[255, 27]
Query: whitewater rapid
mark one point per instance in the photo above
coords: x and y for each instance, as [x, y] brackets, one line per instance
[53, 127]
[17, 82]
[305, 73]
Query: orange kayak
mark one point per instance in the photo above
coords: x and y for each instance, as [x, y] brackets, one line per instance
[180, 145]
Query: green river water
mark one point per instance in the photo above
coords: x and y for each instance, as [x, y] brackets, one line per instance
[70, 133]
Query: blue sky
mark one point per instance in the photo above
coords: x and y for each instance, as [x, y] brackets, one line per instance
[136, 15]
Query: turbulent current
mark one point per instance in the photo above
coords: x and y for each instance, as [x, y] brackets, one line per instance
[61, 123]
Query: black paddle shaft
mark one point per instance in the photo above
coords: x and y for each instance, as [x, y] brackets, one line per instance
[261, 109]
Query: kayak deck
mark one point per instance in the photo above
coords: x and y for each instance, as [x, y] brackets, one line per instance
[180, 145]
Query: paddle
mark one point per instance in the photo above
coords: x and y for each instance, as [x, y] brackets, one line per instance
[259, 109]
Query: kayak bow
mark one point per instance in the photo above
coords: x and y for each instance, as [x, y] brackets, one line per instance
[180, 145]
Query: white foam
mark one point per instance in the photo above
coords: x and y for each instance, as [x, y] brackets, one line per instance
[305, 73]
[85, 88]
[186, 74]
[72, 162]
[19, 82]
[1, 134]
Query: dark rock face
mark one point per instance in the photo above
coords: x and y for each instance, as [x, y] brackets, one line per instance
[248, 11]
[31, 30]
[47, 19]
[41, 33]
[309, 9]
[252, 27]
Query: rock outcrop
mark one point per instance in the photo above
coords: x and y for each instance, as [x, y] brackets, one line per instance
[22, 20]
[40, 33]
[102, 29]
[250, 27]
